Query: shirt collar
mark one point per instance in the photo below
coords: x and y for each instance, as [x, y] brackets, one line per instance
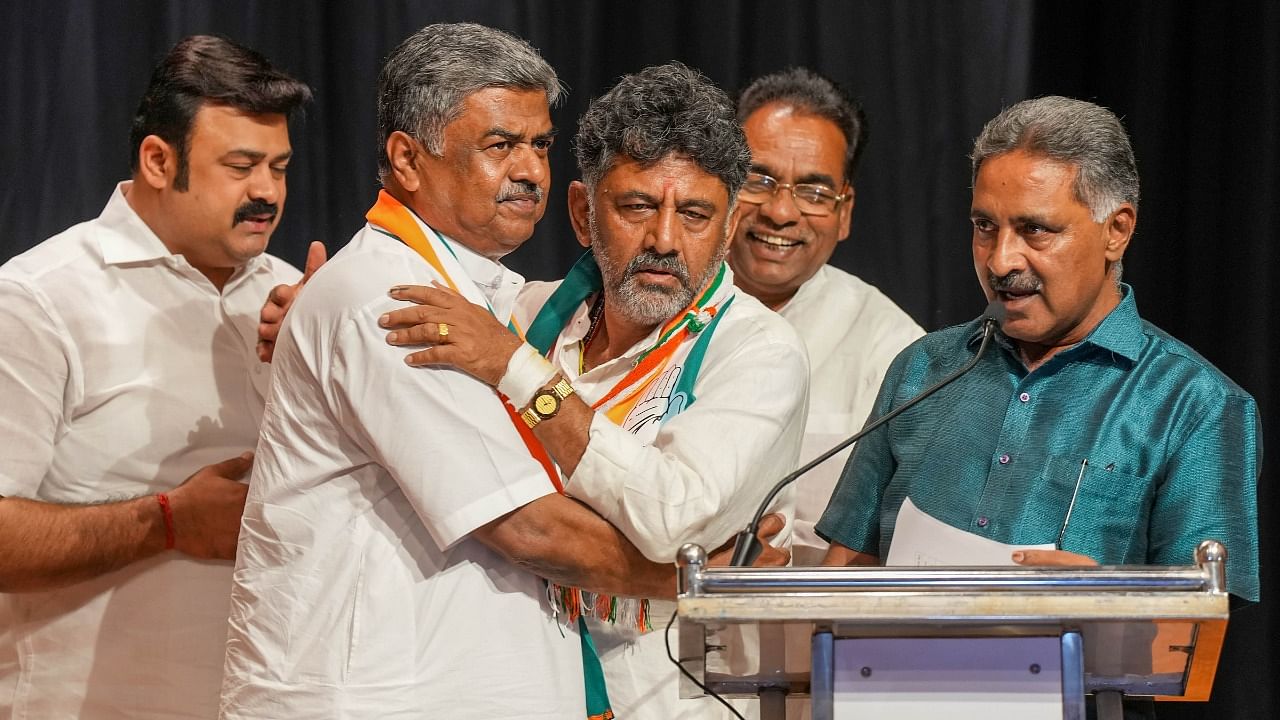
[132, 240]
[1120, 332]
[490, 276]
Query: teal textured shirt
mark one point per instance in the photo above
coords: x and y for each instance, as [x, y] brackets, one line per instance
[1173, 449]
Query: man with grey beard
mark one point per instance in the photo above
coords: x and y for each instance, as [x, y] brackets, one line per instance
[670, 401]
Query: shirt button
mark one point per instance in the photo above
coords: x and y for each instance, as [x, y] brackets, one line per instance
[1004, 459]
[1024, 396]
[982, 522]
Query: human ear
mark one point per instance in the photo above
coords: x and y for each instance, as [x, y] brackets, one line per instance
[157, 162]
[402, 152]
[580, 212]
[845, 213]
[1119, 230]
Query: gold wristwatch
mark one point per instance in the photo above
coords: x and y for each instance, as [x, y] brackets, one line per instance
[546, 403]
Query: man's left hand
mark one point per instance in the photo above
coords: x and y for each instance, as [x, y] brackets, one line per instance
[1052, 558]
[460, 333]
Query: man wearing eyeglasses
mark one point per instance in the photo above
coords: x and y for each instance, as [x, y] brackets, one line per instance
[806, 137]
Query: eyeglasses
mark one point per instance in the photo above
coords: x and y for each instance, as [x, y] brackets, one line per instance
[811, 199]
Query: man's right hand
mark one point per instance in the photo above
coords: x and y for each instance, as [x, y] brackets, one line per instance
[770, 556]
[281, 299]
[207, 508]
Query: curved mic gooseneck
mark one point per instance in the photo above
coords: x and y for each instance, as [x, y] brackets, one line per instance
[746, 547]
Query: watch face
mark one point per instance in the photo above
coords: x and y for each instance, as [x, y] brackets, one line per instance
[545, 404]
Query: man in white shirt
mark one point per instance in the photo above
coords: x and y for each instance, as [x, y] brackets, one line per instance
[396, 517]
[806, 137]
[128, 365]
[670, 402]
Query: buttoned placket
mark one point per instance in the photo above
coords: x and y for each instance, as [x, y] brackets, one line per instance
[1005, 469]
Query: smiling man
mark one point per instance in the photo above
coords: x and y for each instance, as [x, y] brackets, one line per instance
[806, 137]
[128, 365]
[1082, 405]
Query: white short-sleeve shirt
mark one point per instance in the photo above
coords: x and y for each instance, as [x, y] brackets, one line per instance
[124, 370]
[357, 591]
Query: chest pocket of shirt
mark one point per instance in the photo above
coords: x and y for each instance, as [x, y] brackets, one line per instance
[1109, 519]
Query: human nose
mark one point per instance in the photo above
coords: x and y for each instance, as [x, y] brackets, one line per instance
[265, 185]
[663, 233]
[530, 166]
[780, 207]
[1007, 253]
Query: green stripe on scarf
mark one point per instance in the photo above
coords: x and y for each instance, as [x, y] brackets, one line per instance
[598, 706]
[583, 279]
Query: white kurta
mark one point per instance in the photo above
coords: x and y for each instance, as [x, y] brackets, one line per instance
[699, 480]
[852, 332]
[124, 370]
[357, 591]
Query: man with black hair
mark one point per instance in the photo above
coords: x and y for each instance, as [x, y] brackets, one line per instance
[129, 366]
[806, 137]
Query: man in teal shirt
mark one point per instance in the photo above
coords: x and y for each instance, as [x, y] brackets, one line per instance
[1080, 408]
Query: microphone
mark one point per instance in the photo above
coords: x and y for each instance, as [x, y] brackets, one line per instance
[746, 547]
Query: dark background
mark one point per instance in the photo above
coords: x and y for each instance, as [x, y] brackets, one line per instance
[1198, 86]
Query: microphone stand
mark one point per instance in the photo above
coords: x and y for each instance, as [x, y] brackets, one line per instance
[746, 547]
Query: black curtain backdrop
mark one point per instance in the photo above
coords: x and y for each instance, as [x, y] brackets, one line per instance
[1197, 86]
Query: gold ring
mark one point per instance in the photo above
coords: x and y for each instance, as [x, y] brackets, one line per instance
[443, 330]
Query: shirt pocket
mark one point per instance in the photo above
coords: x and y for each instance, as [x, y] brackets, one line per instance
[1107, 520]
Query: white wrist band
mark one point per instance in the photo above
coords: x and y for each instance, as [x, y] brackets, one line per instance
[527, 373]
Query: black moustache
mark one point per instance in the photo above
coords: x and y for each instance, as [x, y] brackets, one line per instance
[253, 209]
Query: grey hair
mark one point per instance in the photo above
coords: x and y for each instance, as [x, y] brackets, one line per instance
[659, 111]
[425, 80]
[812, 94]
[1077, 132]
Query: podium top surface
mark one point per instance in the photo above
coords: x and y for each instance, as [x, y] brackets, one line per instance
[1151, 630]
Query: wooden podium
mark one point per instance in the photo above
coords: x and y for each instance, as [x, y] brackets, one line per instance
[872, 642]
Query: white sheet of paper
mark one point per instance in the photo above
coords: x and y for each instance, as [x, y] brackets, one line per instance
[920, 539]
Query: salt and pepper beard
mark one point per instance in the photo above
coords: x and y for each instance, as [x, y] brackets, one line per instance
[649, 304]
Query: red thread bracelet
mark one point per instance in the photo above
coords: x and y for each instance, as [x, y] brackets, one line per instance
[163, 499]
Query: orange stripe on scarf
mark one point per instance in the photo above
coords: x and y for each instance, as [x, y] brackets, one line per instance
[391, 215]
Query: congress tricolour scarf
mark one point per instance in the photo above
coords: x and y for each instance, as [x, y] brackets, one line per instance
[658, 387]
[390, 217]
